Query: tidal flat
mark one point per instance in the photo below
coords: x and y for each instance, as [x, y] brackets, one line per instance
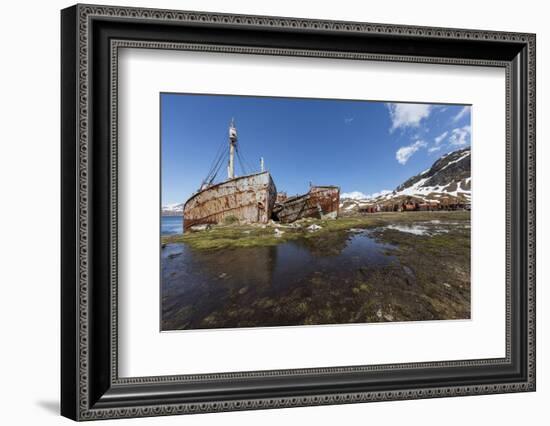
[381, 267]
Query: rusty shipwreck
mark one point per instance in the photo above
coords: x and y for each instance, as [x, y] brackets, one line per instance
[253, 197]
[320, 202]
[248, 198]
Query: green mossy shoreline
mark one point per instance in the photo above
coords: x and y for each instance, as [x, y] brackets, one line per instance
[255, 235]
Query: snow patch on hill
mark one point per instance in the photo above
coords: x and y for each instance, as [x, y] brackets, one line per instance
[172, 209]
[448, 177]
[357, 195]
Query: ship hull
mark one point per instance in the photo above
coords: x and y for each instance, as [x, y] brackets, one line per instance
[320, 202]
[248, 199]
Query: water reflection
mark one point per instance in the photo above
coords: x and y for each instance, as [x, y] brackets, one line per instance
[287, 284]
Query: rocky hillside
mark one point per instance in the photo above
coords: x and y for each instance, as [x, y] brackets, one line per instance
[446, 181]
[449, 173]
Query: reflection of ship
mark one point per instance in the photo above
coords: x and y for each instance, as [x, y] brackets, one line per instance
[248, 198]
[251, 198]
[320, 202]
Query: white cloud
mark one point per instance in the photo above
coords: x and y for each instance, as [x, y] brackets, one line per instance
[460, 136]
[405, 152]
[440, 138]
[349, 120]
[434, 148]
[461, 113]
[407, 115]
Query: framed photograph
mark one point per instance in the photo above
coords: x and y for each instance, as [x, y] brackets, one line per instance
[263, 212]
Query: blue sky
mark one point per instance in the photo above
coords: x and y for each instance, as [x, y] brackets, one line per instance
[360, 146]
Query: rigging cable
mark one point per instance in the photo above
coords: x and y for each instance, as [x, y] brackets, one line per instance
[214, 167]
[219, 164]
[241, 163]
[245, 162]
[218, 153]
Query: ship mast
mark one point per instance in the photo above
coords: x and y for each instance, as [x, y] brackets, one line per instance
[232, 146]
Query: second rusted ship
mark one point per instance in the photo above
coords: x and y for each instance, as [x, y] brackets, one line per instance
[321, 202]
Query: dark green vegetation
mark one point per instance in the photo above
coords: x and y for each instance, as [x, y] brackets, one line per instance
[407, 266]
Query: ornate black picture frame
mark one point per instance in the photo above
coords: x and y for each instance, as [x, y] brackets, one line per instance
[91, 36]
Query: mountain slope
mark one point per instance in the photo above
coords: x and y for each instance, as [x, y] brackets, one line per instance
[173, 210]
[448, 173]
[446, 181]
